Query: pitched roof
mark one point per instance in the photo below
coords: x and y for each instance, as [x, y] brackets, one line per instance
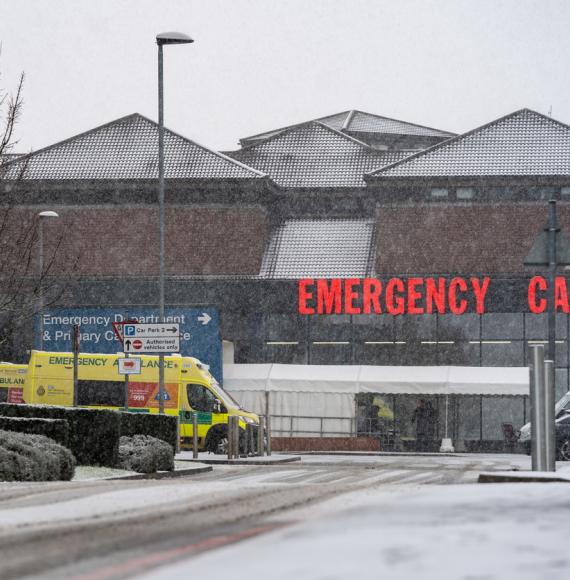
[319, 248]
[314, 155]
[359, 122]
[128, 149]
[522, 143]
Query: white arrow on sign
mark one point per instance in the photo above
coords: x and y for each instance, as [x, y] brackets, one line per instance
[205, 318]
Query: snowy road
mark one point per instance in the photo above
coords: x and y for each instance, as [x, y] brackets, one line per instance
[117, 529]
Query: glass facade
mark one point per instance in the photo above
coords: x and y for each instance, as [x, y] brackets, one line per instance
[473, 422]
[491, 339]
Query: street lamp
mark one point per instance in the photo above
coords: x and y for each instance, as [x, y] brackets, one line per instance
[42, 215]
[162, 39]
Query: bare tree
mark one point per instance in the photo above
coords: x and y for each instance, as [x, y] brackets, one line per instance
[20, 279]
[11, 105]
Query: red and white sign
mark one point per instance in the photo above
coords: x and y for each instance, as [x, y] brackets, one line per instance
[146, 395]
[129, 366]
[15, 395]
[152, 344]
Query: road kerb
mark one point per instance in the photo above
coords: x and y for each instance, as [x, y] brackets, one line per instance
[522, 477]
[164, 474]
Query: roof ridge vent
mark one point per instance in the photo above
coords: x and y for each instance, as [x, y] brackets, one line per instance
[348, 120]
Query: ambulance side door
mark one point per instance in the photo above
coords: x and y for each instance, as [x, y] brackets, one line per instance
[204, 402]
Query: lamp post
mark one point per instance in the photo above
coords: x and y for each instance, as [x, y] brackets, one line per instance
[42, 215]
[162, 39]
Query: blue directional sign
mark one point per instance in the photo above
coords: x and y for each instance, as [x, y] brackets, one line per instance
[199, 330]
[129, 330]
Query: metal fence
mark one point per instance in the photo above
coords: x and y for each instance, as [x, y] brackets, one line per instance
[289, 426]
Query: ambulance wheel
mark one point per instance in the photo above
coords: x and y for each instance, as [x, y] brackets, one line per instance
[217, 441]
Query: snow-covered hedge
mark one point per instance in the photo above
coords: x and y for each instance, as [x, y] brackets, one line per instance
[164, 427]
[93, 433]
[25, 457]
[145, 454]
[56, 429]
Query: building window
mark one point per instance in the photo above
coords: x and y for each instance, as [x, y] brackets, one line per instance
[439, 193]
[285, 327]
[462, 353]
[416, 328]
[330, 328]
[331, 353]
[457, 328]
[502, 353]
[373, 327]
[540, 193]
[502, 326]
[565, 191]
[465, 193]
[286, 352]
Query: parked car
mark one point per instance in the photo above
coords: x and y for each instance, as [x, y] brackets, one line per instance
[562, 426]
[563, 437]
[562, 406]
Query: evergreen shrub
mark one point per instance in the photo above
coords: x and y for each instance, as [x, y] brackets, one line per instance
[163, 427]
[25, 457]
[56, 429]
[93, 433]
[145, 454]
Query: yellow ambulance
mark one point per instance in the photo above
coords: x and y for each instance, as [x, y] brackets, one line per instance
[12, 382]
[188, 388]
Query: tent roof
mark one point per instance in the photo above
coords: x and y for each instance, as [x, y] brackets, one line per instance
[431, 380]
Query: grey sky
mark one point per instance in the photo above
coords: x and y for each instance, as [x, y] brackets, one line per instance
[261, 64]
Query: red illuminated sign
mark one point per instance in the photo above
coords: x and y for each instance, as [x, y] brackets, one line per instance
[414, 295]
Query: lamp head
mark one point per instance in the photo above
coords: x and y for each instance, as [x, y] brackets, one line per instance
[173, 38]
[48, 214]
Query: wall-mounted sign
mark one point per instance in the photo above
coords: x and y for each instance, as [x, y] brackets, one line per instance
[397, 296]
[197, 338]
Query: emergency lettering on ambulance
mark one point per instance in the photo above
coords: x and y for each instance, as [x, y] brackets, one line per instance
[188, 388]
[12, 382]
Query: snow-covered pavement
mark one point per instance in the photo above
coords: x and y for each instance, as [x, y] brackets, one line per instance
[400, 514]
[460, 532]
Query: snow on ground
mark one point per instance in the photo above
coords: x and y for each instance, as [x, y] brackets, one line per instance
[462, 532]
[107, 503]
[94, 472]
[509, 461]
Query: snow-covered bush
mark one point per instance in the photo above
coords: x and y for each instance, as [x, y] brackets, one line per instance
[164, 427]
[56, 429]
[25, 457]
[145, 454]
[93, 433]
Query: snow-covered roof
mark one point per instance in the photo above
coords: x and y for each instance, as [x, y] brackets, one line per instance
[359, 122]
[127, 149]
[522, 143]
[319, 248]
[314, 155]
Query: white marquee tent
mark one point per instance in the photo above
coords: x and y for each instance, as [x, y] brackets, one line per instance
[305, 392]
